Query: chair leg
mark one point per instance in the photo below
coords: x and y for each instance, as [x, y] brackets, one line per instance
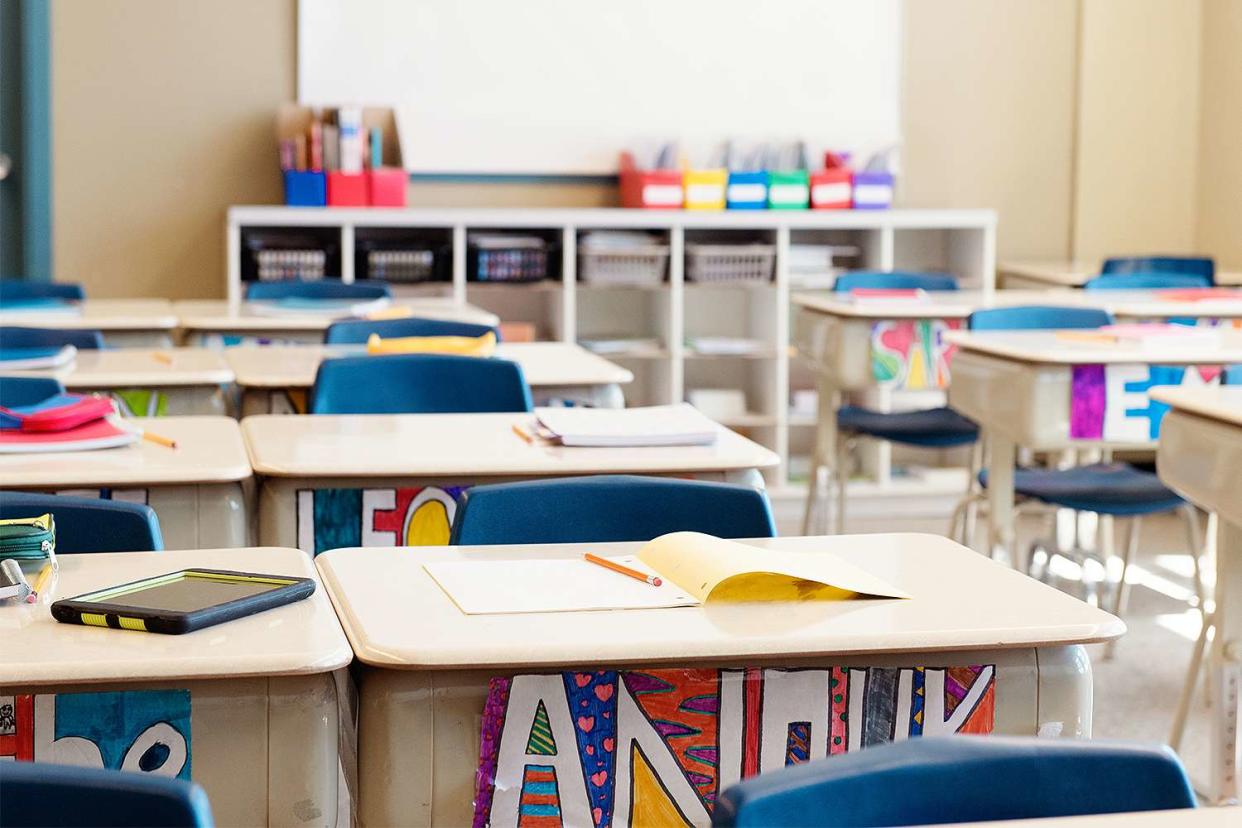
[841, 475]
[1123, 588]
[1194, 541]
[1192, 681]
[812, 491]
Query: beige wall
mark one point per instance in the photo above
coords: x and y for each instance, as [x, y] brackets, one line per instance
[1138, 127]
[1078, 120]
[1220, 134]
[162, 117]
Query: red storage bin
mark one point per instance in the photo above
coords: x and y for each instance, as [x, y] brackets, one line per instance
[832, 188]
[650, 189]
[347, 189]
[387, 186]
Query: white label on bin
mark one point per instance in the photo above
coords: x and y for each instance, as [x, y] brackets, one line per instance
[704, 194]
[665, 195]
[788, 193]
[748, 192]
[878, 195]
[835, 193]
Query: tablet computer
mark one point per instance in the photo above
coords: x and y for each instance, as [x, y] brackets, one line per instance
[181, 602]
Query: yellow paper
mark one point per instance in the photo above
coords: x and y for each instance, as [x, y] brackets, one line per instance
[484, 345]
[715, 569]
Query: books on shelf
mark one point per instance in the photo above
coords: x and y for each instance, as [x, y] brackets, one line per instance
[621, 345]
[726, 345]
[692, 568]
[657, 425]
[31, 359]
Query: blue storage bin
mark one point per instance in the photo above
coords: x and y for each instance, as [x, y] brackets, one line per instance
[305, 189]
[747, 191]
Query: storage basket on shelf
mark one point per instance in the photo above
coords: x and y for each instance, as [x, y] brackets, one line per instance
[500, 258]
[402, 262]
[723, 263]
[617, 258]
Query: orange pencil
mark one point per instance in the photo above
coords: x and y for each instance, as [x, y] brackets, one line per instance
[158, 439]
[624, 570]
[524, 434]
[160, 356]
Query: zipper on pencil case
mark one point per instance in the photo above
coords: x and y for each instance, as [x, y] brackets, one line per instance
[26, 550]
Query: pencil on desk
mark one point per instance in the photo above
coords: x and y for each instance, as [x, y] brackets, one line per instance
[160, 356]
[623, 569]
[524, 434]
[41, 580]
[159, 439]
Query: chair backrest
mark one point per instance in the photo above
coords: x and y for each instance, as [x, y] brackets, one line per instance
[961, 779]
[1191, 265]
[361, 290]
[355, 331]
[1033, 317]
[1146, 281]
[419, 384]
[893, 280]
[88, 524]
[608, 508]
[17, 290]
[16, 337]
[41, 794]
[19, 391]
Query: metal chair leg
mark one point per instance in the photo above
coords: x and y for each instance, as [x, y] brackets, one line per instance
[1123, 588]
[1194, 541]
[812, 491]
[1192, 681]
[841, 475]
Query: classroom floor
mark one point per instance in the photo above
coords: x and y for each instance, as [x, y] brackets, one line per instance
[1136, 690]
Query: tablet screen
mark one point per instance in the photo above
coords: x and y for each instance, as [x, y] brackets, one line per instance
[185, 591]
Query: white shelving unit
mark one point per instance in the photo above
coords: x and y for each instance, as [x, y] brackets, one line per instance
[961, 242]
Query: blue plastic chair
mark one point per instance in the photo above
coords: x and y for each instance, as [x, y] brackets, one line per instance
[19, 391]
[608, 508]
[960, 779]
[1038, 317]
[419, 384]
[929, 428]
[1190, 265]
[87, 524]
[1146, 281]
[38, 795]
[17, 337]
[27, 290]
[356, 331]
[361, 290]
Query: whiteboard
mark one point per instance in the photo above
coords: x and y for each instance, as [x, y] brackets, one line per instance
[562, 86]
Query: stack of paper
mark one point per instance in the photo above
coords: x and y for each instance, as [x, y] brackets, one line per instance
[657, 425]
[30, 359]
[696, 569]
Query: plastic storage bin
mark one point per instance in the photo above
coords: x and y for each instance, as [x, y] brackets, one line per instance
[636, 266]
[386, 187]
[705, 189]
[873, 190]
[723, 263]
[650, 189]
[788, 190]
[519, 259]
[305, 189]
[347, 189]
[747, 191]
[832, 189]
[402, 262]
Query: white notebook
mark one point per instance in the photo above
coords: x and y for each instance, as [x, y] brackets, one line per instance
[656, 425]
[32, 359]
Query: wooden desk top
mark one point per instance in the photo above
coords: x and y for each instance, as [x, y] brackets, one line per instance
[1049, 348]
[543, 363]
[1227, 817]
[397, 616]
[959, 304]
[141, 367]
[209, 450]
[101, 314]
[215, 315]
[1221, 403]
[303, 637]
[475, 445]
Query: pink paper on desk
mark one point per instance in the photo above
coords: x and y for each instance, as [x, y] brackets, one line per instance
[1198, 294]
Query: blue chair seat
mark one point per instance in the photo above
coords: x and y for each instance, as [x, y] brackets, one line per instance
[89, 524]
[18, 337]
[1106, 488]
[932, 427]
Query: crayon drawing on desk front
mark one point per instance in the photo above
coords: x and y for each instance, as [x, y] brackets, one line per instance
[656, 747]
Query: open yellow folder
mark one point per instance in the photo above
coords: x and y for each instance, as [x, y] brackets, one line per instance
[484, 345]
[696, 569]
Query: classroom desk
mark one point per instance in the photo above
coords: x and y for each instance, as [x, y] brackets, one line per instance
[1043, 391]
[1180, 818]
[147, 382]
[374, 479]
[215, 323]
[428, 669]
[196, 488]
[1200, 456]
[134, 323]
[555, 370]
[1044, 274]
[248, 709]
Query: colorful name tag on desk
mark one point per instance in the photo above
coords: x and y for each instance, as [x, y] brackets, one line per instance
[1113, 402]
[911, 354]
[134, 730]
[656, 747]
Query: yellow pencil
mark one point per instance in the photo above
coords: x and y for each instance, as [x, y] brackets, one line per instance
[160, 356]
[159, 439]
[524, 434]
[41, 580]
[622, 569]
